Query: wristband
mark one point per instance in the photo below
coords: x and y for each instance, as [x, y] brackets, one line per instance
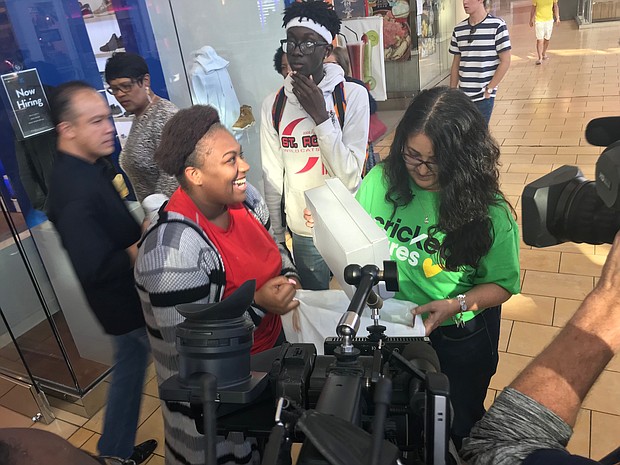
[458, 318]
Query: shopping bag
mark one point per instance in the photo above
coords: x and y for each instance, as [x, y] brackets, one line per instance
[376, 128]
[319, 312]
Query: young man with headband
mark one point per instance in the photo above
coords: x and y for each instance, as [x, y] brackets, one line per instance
[314, 128]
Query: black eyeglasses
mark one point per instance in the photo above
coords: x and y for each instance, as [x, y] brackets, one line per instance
[415, 161]
[472, 31]
[125, 87]
[306, 47]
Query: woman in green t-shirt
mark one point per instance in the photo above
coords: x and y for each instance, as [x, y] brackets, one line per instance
[453, 236]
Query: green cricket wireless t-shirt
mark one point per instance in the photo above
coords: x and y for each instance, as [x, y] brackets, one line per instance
[421, 278]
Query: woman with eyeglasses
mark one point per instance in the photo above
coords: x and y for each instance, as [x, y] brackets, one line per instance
[453, 236]
[129, 81]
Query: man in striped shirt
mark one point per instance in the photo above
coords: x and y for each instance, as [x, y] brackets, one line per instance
[481, 48]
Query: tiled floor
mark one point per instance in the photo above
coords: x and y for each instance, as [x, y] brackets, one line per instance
[539, 119]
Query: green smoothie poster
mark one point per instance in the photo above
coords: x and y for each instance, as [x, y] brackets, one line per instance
[363, 38]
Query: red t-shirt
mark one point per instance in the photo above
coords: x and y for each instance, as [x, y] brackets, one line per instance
[248, 252]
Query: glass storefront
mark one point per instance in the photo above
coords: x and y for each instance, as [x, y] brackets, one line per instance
[597, 11]
[49, 338]
[435, 26]
[48, 335]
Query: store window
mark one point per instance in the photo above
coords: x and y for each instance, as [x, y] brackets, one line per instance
[46, 317]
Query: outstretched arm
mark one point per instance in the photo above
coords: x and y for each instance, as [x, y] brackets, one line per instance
[537, 411]
[561, 376]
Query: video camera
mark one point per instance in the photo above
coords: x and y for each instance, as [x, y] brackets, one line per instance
[373, 400]
[564, 206]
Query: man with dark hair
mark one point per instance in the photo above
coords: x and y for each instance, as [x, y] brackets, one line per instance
[314, 128]
[100, 236]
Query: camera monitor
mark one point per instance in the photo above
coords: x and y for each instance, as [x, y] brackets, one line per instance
[344, 232]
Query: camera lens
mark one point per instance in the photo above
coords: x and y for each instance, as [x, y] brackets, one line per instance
[564, 206]
[221, 348]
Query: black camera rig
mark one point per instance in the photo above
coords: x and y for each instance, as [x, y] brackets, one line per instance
[564, 206]
[369, 400]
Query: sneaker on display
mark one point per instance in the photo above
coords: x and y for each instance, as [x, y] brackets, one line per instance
[245, 120]
[87, 12]
[113, 44]
[105, 8]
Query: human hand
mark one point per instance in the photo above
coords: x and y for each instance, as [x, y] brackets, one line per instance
[310, 97]
[132, 251]
[294, 280]
[277, 295]
[487, 92]
[146, 222]
[438, 312]
[308, 217]
[557, 21]
[531, 23]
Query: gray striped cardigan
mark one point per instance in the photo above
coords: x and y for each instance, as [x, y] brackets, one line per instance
[177, 263]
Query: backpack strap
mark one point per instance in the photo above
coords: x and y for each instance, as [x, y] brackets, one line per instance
[216, 276]
[340, 103]
[277, 108]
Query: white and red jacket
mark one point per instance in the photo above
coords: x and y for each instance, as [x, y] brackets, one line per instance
[303, 155]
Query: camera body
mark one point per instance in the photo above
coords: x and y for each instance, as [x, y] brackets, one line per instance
[564, 206]
[332, 401]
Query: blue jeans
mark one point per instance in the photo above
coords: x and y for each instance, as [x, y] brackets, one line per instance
[131, 352]
[313, 271]
[468, 357]
[486, 108]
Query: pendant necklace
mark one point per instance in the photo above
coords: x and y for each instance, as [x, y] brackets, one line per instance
[426, 221]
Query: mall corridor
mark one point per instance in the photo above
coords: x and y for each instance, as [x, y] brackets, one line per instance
[539, 121]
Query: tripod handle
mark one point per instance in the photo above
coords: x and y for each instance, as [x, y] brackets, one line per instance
[277, 436]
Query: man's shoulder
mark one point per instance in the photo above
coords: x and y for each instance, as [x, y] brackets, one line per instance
[462, 25]
[494, 20]
[71, 173]
[352, 88]
[270, 99]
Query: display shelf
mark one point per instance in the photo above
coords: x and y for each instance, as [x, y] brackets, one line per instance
[97, 19]
[123, 119]
[108, 54]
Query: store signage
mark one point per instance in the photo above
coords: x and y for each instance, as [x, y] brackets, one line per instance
[29, 104]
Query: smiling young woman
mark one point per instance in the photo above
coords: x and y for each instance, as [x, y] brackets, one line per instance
[211, 237]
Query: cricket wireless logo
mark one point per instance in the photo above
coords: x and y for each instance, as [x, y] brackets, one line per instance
[309, 143]
[411, 237]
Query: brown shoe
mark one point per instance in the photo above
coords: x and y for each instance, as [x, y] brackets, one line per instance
[245, 120]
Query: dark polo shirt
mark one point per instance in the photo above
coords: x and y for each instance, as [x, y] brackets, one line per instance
[96, 227]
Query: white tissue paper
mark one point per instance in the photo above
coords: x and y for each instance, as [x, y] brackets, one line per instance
[319, 312]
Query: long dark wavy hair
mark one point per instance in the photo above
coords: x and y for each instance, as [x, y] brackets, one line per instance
[467, 160]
